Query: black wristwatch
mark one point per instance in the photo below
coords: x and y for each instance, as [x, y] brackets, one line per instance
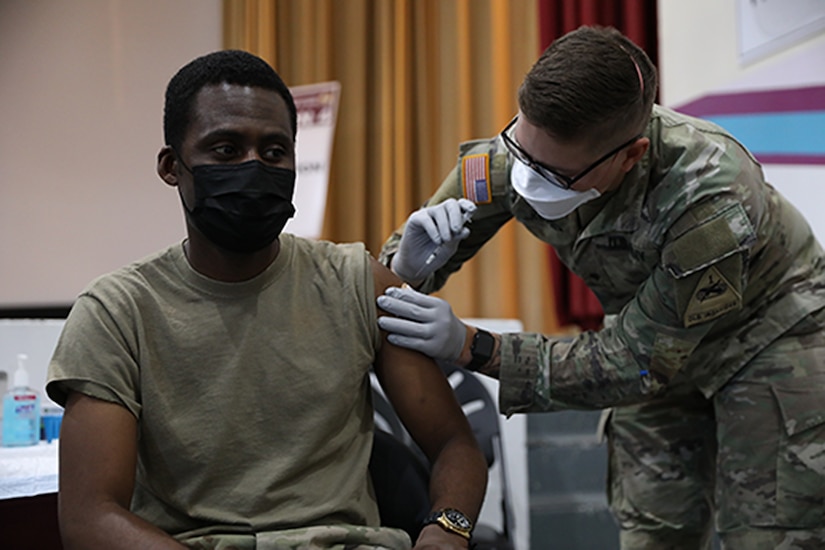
[451, 520]
[481, 349]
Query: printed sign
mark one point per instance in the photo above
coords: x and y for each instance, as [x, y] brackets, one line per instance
[317, 106]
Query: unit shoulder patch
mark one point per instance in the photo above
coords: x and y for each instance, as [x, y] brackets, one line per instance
[713, 296]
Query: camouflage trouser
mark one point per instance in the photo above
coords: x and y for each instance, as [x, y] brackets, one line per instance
[322, 537]
[753, 456]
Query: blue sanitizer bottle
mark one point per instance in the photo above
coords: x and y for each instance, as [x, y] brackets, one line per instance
[21, 410]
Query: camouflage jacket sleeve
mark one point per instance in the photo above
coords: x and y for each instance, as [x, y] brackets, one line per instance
[683, 322]
[491, 214]
[647, 346]
[623, 364]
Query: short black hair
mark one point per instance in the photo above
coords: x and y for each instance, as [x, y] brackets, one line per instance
[225, 66]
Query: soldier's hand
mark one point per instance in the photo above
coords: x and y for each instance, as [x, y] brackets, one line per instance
[423, 323]
[431, 236]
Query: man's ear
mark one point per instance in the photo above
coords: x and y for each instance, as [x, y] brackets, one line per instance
[634, 153]
[167, 165]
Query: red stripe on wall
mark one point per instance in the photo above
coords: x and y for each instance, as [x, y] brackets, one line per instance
[767, 101]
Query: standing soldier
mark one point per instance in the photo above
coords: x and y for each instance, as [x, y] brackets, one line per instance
[713, 350]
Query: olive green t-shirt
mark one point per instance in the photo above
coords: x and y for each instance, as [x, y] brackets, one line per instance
[252, 398]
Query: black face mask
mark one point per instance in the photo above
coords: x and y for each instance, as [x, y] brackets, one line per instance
[241, 207]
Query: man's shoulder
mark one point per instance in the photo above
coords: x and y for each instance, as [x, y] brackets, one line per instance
[344, 259]
[482, 145]
[321, 247]
[138, 272]
[693, 135]
[492, 148]
[695, 162]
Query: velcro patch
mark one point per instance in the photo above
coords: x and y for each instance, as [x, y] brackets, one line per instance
[713, 296]
[669, 355]
[475, 177]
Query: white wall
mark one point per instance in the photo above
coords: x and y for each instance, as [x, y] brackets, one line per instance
[699, 54]
[82, 84]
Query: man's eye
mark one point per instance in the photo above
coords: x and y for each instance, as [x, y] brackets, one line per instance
[275, 153]
[224, 150]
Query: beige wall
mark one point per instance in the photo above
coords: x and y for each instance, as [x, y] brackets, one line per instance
[81, 88]
[81, 97]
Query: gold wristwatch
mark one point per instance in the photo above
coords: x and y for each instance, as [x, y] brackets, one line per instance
[451, 520]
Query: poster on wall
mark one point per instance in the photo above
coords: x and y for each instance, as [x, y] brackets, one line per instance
[317, 106]
[770, 26]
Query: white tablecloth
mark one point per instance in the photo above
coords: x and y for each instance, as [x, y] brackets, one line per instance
[28, 471]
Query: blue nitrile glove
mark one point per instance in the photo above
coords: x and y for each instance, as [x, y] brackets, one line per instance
[431, 235]
[423, 323]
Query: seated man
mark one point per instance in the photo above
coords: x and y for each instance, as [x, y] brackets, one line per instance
[217, 393]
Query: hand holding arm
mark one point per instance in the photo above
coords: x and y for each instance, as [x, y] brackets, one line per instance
[422, 323]
[431, 235]
[428, 324]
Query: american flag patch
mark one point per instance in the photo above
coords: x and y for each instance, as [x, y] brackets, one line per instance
[475, 175]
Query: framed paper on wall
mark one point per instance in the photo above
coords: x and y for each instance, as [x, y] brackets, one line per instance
[770, 26]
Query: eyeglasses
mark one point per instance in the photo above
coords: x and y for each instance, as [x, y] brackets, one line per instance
[559, 180]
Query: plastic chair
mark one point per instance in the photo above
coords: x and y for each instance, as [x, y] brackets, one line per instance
[401, 482]
[387, 421]
[482, 413]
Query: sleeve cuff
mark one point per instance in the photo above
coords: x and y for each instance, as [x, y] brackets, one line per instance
[519, 372]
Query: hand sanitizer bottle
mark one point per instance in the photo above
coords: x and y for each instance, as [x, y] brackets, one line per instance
[21, 410]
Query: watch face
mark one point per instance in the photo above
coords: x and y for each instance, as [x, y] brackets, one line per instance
[481, 349]
[458, 519]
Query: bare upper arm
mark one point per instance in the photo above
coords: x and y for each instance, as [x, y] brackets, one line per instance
[416, 386]
[98, 453]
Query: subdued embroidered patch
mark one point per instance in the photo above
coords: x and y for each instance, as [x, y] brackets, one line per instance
[713, 296]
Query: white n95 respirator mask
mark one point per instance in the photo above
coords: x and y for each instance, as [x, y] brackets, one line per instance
[550, 201]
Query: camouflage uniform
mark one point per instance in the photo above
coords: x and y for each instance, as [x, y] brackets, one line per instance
[714, 287]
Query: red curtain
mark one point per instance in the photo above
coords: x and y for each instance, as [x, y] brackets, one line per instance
[635, 18]
[575, 303]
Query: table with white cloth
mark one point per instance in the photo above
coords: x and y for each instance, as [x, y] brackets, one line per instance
[28, 497]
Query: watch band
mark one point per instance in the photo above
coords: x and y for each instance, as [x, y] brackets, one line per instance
[481, 349]
[451, 520]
